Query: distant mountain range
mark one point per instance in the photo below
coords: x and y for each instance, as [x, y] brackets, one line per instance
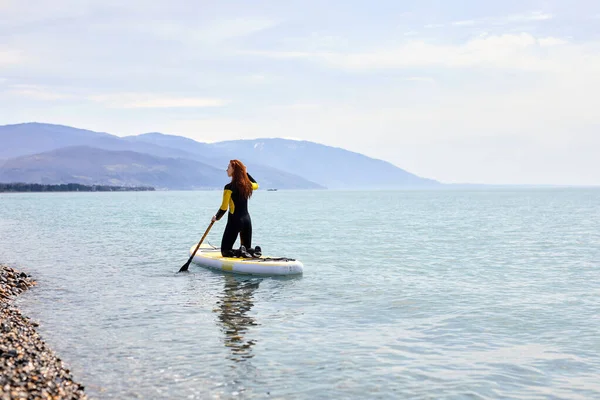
[56, 154]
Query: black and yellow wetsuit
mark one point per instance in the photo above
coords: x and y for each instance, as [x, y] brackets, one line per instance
[238, 220]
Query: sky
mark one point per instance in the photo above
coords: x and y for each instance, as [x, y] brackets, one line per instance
[503, 92]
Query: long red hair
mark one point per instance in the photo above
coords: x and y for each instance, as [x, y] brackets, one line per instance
[239, 177]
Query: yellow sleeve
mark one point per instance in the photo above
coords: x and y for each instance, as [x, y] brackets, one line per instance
[226, 198]
[224, 204]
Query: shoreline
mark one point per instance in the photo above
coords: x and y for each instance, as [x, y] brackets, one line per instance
[29, 368]
[20, 187]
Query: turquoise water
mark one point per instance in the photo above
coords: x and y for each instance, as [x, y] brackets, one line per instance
[447, 294]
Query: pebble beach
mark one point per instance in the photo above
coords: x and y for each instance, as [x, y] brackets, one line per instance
[29, 369]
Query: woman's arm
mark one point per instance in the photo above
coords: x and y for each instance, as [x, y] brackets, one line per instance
[254, 184]
[224, 204]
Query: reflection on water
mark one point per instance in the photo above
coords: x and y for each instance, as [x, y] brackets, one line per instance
[233, 307]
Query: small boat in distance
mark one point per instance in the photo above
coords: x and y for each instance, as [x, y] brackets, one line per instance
[271, 190]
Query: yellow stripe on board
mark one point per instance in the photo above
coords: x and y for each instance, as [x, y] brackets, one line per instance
[227, 266]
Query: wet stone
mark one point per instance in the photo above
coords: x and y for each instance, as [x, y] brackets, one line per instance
[28, 368]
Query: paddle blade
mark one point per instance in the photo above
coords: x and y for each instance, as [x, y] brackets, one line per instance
[185, 266]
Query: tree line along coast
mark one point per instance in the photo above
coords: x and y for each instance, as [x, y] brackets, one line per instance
[69, 187]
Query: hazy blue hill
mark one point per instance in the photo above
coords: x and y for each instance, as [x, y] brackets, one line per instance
[174, 142]
[207, 152]
[88, 165]
[268, 177]
[330, 166]
[212, 155]
[278, 163]
[32, 138]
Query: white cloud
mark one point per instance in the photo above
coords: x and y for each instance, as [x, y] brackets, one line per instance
[256, 79]
[505, 20]
[114, 100]
[20, 12]
[35, 92]
[316, 41]
[240, 27]
[297, 106]
[149, 100]
[510, 51]
[280, 54]
[468, 22]
[550, 41]
[10, 57]
[212, 33]
[424, 79]
[535, 16]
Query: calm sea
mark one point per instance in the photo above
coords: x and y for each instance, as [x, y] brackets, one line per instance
[448, 294]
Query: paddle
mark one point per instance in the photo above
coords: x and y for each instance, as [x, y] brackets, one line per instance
[187, 264]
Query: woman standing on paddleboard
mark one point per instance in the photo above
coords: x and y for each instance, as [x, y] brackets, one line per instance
[235, 197]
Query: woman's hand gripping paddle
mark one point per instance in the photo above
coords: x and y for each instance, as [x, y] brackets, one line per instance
[187, 264]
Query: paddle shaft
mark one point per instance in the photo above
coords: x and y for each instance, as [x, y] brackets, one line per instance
[187, 264]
